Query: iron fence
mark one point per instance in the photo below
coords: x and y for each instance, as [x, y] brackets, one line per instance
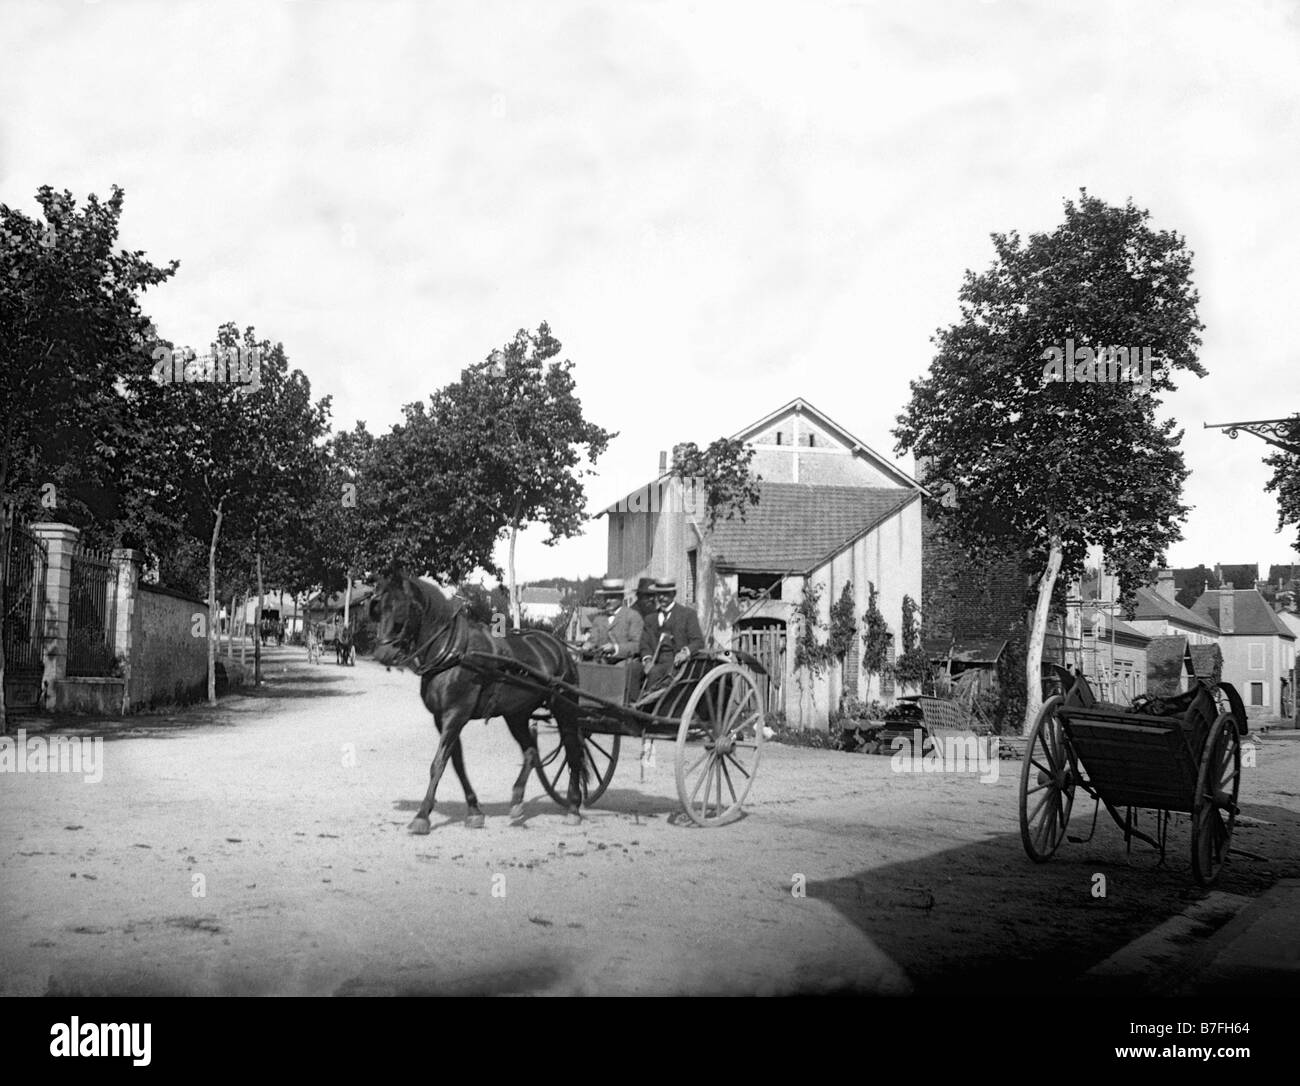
[91, 615]
[23, 626]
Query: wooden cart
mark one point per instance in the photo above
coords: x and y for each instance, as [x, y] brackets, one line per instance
[1175, 754]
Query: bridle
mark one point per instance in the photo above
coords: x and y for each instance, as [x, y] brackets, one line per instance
[455, 634]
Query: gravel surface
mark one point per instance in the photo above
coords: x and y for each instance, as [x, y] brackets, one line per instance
[261, 848]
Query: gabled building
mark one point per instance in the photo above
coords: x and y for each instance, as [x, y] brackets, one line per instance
[1259, 650]
[1157, 614]
[832, 512]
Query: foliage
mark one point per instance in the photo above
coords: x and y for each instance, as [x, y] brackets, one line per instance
[912, 666]
[1285, 480]
[1195, 584]
[803, 737]
[876, 637]
[722, 471]
[839, 638]
[1042, 468]
[810, 654]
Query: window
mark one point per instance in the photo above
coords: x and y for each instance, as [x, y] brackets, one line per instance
[758, 585]
[811, 440]
[778, 437]
[1256, 657]
[1257, 693]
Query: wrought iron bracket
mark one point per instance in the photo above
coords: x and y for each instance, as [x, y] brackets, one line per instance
[1274, 431]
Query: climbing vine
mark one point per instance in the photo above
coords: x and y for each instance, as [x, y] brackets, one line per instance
[810, 654]
[877, 638]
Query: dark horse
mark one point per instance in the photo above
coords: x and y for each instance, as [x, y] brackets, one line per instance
[343, 645]
[420, 629]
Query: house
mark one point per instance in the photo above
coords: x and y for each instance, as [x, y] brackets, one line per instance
[1093, 637]
[832, 513]
[1157, 614]
[1258, 648]
[540, 604]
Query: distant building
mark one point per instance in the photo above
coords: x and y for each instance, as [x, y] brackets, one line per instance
[1259, 649]
[1158, 614]
[540, 604]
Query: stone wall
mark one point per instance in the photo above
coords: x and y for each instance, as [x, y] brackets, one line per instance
[168, 663]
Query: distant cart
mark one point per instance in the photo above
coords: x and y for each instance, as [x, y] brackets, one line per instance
[1166, 754]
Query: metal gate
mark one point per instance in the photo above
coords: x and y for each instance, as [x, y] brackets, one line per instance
[90, 615]
[23, 562]
[766, 639]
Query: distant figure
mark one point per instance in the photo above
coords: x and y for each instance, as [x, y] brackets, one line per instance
[343, 650]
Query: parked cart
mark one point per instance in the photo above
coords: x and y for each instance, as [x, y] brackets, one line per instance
[1165, 754]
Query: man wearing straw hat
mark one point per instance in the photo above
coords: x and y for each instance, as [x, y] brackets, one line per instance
[670, 637]
[615, 634]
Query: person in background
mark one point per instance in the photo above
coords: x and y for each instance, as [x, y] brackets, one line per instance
[615, 634]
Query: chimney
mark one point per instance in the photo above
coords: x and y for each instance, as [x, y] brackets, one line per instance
[1165, 584]
[1227, 609]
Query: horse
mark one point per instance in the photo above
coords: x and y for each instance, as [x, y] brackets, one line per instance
[420, 629]
[343, 645]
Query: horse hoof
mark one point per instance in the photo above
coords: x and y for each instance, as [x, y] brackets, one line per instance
[517, 813]
[419, 826]
[475, 822]
[573, 819]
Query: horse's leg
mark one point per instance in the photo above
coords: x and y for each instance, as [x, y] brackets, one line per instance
[474, 819]
[449, 728]
[566, 716]
[528, 744]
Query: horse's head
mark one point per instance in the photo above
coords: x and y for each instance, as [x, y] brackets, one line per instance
[395, 609]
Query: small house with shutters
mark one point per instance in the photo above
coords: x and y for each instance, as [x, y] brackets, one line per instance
[833, 513]
[1259, 650]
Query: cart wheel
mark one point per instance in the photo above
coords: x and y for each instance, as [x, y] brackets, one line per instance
[1214, 809]
[1047, 779]
[721, 736]
[553, 769]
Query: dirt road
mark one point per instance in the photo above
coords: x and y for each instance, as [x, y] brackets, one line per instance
[260, 847]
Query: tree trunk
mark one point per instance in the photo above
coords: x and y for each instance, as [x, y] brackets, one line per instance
[1037, 636]
[243, 630]
[4, 607]
[257, 637]
[515, 609]
[230, 632]
[347, 597]
[212, 607]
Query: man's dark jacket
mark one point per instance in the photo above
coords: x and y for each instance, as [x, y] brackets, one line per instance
[682, 628]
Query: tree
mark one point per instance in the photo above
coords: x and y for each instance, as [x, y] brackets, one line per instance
[913, 665]
[1045, 468]
[1285, 481]
[70, 324]
[509, 437]
[1195, 583]
[720, 474]
[843, 628]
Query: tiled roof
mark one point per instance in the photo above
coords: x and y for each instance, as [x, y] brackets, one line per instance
[794, 528]
[1151, 605]
[1251, 613]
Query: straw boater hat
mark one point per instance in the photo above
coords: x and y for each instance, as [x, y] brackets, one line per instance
[664, 585]
[610, 586]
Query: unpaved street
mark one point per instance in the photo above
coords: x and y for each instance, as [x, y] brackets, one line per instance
[261, 848]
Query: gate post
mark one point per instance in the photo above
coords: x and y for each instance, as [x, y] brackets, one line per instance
[125, 565]
[59, 540]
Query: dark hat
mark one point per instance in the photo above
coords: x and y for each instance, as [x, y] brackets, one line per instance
[611, 586]
[645, 586]
[664, 585]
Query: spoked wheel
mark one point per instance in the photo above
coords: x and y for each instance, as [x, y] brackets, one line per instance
[1214, 808]
[601, 752]
[719, 741]
[1047, 780]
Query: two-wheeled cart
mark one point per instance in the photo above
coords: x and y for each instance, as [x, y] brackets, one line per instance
[1166, 754]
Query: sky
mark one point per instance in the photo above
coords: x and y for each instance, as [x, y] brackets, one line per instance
[717, 207]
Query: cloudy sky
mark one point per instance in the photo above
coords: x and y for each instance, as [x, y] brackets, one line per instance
[718, 207]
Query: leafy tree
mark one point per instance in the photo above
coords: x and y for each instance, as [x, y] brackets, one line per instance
[1285, 481]
[842, 629]
[1046, 468]
[509, 437]
[913, 665]
[810, 654]
[1195, 583]
[70, 327]
[721, 473]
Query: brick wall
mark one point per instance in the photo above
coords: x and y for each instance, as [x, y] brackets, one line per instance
[962, 600]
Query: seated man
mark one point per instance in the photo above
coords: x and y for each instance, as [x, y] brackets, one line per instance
[616, 633]
[670, 637]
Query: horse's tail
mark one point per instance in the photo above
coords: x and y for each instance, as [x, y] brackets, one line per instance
[568, 720]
